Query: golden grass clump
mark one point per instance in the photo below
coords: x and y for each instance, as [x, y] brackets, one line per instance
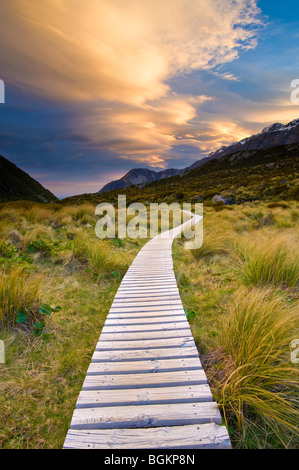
[98, 254]
[260, 379]
[213, 243]
[269, 260]
[19, 290]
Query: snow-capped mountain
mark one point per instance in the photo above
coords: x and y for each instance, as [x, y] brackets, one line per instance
[271, 136]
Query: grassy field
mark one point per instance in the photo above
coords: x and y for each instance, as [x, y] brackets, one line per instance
[57, 283]
[239, 290]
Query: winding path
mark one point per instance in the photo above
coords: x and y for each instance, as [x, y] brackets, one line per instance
[145, 387]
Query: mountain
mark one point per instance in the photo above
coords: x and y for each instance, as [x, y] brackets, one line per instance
[272, 136]
[139, 176]
[15, 185]
[269, 174]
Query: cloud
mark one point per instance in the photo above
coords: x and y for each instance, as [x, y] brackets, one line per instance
[112, 62]
[116, 50]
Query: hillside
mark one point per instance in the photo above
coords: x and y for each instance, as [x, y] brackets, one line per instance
[15, 185]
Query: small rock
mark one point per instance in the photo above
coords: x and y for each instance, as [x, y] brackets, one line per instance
[219, 198]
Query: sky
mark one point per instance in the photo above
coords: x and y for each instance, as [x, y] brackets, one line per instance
[95, 88]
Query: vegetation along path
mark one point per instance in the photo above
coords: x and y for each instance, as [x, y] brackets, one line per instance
[145, 386]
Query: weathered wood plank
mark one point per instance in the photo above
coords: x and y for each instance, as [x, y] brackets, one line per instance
[146, 298]
[152, 309]
[146, 344]
[139, 317]
[142, 327]
[149, 366]
[145, 335]
[145, 416]
[137, 355]
[145, 396]
[146, 321]
[144, 380]
[149, 304]
[203, 436]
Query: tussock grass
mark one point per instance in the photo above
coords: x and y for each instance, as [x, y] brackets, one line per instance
[18, 290]
[269, 260]
[38, 232]
[103, 261]
[259, 376]
[95, 253]
[213, 243]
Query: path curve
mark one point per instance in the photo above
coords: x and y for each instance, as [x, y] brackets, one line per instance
[145, 387]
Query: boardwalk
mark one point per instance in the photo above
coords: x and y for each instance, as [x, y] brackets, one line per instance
[145, 387]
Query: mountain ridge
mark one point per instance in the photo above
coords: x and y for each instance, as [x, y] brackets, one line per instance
[274, 135]
[139, 176]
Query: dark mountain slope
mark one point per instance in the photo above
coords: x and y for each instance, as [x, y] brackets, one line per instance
[15, 185]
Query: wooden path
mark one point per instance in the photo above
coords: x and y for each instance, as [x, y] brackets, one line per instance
[145, 387]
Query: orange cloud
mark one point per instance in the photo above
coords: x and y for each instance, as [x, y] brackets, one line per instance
[119, 56]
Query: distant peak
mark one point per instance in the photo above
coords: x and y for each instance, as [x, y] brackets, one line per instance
[274, 127]
[293, 123]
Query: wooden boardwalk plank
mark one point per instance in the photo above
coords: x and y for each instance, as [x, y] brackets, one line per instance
[144, 380]
[136, 355]
[161, 343]
[149, 366]
[145, 396]
[205, 436]
[146, 321]
[144, 335]
[145, 416]
[143, 328]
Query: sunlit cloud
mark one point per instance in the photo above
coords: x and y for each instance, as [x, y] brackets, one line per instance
[112, 61]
